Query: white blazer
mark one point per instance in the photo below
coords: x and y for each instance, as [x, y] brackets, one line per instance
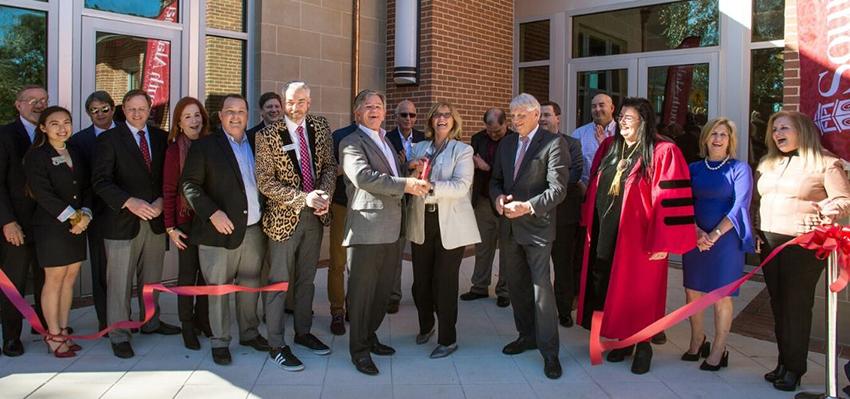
[451, 178]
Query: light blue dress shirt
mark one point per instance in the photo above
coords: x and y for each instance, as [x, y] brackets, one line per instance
[245, 158]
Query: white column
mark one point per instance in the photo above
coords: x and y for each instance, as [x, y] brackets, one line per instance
[734, 99]
[406, 41]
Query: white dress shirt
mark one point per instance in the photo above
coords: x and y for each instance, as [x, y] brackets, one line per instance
[136, 137]
[384, 146]
[292, 127]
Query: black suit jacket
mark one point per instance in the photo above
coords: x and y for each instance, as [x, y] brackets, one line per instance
[541, 180]
[211, 181]
[481, 178]
[340, 197]
[254, 130]
[119, 173]
[15, 204]
[569, 210]
[395, 139]
[55, 186]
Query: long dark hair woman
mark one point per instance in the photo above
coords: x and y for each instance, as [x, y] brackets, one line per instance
[57, 181]
[799, 186]
[638, 209]
[190, 122]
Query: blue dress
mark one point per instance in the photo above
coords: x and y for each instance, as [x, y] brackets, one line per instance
[725, 192]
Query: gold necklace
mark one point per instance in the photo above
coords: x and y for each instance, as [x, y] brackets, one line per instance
[622, 165]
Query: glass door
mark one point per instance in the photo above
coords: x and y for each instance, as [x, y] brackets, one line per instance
[118, 57]
[617, 78]
[683, 91]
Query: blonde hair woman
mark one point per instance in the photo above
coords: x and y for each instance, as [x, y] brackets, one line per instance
[800, 186]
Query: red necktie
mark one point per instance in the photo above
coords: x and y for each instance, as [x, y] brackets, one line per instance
[306, 173]
[143, 146]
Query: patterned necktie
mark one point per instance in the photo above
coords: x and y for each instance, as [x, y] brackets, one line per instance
[143, 146]
[306, 173]
[522, 149]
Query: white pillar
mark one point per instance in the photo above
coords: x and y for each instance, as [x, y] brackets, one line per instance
[406, 42]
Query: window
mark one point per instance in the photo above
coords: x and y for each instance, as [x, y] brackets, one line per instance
[533, 71]
[657, 27]
[163, 10]
[23, 54]
[768, 20]
[766, 83]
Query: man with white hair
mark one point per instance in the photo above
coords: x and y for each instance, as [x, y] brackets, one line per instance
[529, 181]
[296, 172]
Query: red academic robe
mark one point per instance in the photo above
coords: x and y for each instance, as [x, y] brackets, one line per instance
[657, 216]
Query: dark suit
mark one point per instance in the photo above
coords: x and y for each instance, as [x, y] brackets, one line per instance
[16, 206]
[134, 247]
[256, 129]
[336, 269]
[394, 137]
[84, 143]
[55, 187]
[212, 181]
[567, 237]
[526, 242]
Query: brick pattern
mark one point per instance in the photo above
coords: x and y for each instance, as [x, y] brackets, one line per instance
[791, 90]
[311, 40]
[225, 14]
[465, 57]
[224, 62]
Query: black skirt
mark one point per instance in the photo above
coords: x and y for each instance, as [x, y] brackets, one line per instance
[55, 245]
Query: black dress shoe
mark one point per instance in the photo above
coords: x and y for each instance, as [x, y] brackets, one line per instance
[221, 356]
[163, 329]
[518, 346]
[503, 302]
[789, 382]
[381, 349]
[123, 350]
[13, 348]
[365, 365]
[338, 325]
[659, 339]
[190, 337]
[471, 296]
[566, 321]
[776, 374]
[259, 344]
[643, 358]
[618, 355]
[552, 367]
[392, 308]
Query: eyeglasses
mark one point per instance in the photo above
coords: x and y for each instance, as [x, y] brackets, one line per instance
[443, 115]
[102, 110]
[136, 110]
[34, 101]
[627, 118]
[407, 114]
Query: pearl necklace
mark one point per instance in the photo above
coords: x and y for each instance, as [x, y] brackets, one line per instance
[716, 167]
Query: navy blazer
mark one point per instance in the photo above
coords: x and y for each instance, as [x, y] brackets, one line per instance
[395, 139]
[15, 204]
[55, 185]
[212, 181]
[119, 173]
[84, 143]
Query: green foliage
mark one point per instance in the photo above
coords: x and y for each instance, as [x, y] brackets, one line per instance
[23, 55]
[690, 18]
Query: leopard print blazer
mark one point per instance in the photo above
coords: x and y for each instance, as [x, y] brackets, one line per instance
[279, 179]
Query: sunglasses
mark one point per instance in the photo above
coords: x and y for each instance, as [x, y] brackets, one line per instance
[102, 110]
[407, 114]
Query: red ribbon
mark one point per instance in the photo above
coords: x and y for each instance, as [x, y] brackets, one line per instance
[823, 240]
[27, 311]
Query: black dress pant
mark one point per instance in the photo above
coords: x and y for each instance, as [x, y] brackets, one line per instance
[598, 277]
[97, 263]
[191, 309]
[17, 263]
[564, 265]
[791, 278]
[435, 281]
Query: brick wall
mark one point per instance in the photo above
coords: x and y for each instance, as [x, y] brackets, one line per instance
[465, 57]
[791, 91]
[311, 40]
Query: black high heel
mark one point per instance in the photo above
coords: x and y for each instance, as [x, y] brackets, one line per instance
[704, 350]
[789, 382]
[724, 362]
[775, 374]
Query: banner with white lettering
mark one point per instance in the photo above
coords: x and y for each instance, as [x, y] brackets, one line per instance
[824, 37]
[155, 78]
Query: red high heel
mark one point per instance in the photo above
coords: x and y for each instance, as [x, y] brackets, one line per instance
[71, 344]
[61, 340]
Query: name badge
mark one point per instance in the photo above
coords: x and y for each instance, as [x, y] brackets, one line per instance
[289, 147]
[58, 160]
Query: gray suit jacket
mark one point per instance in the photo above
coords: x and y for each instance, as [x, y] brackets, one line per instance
[375, 196]
[541, 180]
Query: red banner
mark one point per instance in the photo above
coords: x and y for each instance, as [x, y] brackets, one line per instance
[824, 39]
[678, 88]
[155, 72]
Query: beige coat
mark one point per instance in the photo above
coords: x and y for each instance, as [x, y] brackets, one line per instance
[451, 175]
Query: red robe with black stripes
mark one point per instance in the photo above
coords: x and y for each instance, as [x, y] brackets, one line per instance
[657, 216]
